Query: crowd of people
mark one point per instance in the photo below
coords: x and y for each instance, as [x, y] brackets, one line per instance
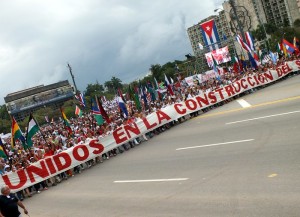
[54, 138]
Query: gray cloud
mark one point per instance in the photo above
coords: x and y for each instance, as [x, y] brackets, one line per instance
[99, 38]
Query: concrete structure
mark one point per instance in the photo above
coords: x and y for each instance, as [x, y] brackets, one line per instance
[247, 13]
[21, 103]
[278, 12]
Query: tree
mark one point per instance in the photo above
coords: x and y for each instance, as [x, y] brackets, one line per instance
[108, 85]
[113, 84]
[259, 33]
[93, 89]
[116, 82]
[297, 23]
[270, 28]
[155, 70]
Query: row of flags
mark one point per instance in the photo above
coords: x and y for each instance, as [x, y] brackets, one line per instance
[31, 130]
[146, 93]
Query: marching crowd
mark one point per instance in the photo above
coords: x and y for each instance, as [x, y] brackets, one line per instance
[54, 138]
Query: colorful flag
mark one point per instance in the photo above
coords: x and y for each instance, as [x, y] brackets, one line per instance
[235, 63]
[249, 40]
[3, 152]
[78, 111]
[243, 44]
[32, 129]
[273, 57]
[252, 61]
[96, 111]
[120, 93]
[210, 34]
[143, 94]
[122, 106]
[135, 97]
[16, 133]
[151, 91]
[215, 67]
[81, 100]
[279, 48]
[288, 47]
[102, 111]
[168, 85]
[66, 122]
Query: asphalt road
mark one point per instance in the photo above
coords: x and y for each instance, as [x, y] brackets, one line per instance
[231, 161]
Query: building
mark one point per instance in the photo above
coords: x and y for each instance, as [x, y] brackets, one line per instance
[278, 12]
[20, 104]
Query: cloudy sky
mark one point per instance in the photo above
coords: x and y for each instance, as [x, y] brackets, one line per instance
[99, 38]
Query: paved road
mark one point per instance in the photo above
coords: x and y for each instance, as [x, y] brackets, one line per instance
[228, 162]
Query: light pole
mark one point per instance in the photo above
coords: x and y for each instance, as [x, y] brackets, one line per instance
[73, 79]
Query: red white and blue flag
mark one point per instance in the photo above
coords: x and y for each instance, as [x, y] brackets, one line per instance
[210, 34]
[243, 44]
[168, 85]
[249, 40]
[81, 100]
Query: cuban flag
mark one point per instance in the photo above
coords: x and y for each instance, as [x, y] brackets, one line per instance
[249, 40]
[210, 34]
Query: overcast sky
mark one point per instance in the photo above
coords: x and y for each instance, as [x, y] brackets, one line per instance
[99, 38]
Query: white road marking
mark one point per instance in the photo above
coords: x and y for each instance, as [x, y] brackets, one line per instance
[223, 143]
[151, 180]
[243, 103]
[269, 116]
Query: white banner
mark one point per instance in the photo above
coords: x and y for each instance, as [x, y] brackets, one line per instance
[79, 154]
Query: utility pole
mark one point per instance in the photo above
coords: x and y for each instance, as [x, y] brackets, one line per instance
[70, 69]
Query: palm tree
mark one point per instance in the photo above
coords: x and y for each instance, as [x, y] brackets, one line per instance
[116, 82]
[155, 69]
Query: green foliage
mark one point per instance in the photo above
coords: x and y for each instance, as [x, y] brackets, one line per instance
[297, 23]
[113, 84]
[94, 89]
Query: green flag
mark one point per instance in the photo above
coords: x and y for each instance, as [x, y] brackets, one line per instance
[135, 97]
[32, 129]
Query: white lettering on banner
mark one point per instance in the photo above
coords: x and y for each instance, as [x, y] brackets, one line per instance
[74, 156]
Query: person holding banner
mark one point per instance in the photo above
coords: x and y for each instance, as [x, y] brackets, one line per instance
[9, 204]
